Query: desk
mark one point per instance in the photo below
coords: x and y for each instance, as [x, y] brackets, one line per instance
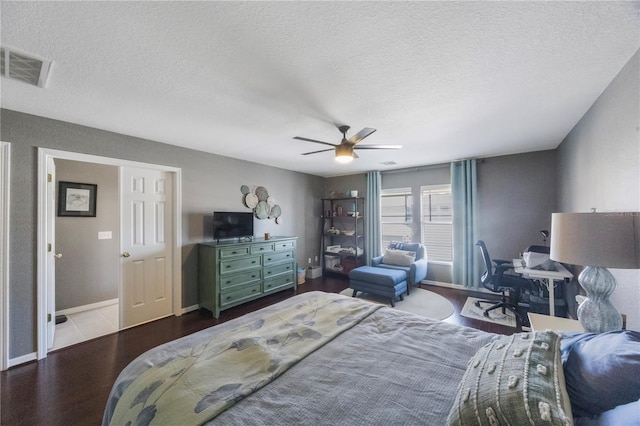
[541, 322]
[547, 277]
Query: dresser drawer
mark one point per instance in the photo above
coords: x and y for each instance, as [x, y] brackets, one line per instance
[262, 248]
[241, 278]
[278, 269]
[237, 295]
[277, 257]
[233, 251]
[284, 245]
[235, 265]
[277, 282]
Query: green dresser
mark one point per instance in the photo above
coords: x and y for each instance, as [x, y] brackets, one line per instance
[231, 273]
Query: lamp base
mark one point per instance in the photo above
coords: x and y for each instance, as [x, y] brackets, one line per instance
[596, 313]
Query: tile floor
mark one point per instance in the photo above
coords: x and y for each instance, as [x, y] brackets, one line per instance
[86, 325]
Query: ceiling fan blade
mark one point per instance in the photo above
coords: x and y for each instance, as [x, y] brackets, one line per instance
[315, 152]
[360, 135]
[313, 140]
[378, 147]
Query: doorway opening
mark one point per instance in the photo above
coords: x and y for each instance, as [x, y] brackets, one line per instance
[107, 243]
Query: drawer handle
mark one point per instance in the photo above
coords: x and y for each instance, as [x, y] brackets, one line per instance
[234, 252]
[253, 291]
[228, 297]
[253, 261]
[288, 267]
[269, 259]
[253, 276]
[229, 282]
[268, 272]
[228, 266]
[288, 255]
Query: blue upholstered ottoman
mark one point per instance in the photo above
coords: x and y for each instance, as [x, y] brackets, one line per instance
[384, 282]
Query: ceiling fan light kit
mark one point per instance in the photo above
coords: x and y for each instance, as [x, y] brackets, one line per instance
[344, 152]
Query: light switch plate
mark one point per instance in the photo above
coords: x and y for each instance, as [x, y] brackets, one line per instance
[104, 235]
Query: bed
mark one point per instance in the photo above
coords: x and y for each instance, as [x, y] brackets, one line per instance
[320, 358]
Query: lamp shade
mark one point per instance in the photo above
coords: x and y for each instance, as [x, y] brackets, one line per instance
[608, 240]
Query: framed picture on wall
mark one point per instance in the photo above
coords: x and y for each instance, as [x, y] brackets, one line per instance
[77, 199]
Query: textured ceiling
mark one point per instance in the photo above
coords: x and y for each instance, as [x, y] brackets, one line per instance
[447, 80]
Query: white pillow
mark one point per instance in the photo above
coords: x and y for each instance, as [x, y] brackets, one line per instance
[399, 257]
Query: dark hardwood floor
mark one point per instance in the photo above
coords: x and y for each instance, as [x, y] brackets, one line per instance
[71, 385]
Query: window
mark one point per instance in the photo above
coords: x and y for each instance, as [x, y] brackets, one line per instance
[436, 219]
[396, 205]
[437, 222]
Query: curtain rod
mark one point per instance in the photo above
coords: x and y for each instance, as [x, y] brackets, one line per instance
[426, 167]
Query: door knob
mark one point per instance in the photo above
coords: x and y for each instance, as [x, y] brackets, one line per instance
[126, 254]
[58, 255]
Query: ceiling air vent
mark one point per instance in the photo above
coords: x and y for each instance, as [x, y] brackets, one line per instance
[389, 163]
[28, 69]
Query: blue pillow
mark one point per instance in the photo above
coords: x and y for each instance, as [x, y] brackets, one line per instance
[622, 415]
[602, 371]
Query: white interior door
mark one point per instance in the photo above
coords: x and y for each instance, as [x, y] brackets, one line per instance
[51, 251]
[146, 238]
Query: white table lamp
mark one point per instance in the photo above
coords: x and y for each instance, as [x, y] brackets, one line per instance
[597, 241]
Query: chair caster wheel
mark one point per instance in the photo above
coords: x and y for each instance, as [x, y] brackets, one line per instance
[486, 314]
[477, 304]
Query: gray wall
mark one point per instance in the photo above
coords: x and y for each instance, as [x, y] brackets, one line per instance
[209, 182]
[516, 196]
[599, 167]
[88, 270]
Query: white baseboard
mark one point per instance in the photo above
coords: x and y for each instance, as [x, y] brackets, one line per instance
[455, 286]
[88, 307]
[190, 309]
[22, 359]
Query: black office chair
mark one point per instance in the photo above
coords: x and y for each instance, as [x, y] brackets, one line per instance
[497, 281]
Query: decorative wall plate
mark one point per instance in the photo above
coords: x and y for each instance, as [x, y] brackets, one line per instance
[244, 189]
[276, 211]
[271, 201]
[251, 200]
[262, 193]
[262, 210]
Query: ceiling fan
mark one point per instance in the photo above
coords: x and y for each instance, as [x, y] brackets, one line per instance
[345, 150]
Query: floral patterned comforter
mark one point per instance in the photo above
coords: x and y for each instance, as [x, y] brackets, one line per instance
[196, 383]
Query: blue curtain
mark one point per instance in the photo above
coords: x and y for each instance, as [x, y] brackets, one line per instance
[373, 217]
[466, 270]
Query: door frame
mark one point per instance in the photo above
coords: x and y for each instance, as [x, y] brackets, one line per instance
[5, 190]
[42, 285]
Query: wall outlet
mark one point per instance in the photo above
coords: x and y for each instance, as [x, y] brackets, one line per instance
[104, 235]
[316, 259]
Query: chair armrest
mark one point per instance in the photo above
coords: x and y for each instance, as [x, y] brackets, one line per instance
[500, 269]
[501, 261]
[418, 271]
[376, 261]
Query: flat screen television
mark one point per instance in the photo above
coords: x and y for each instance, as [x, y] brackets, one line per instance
[232, 225]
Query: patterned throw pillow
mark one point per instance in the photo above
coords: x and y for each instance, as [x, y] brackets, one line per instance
[515, 380]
